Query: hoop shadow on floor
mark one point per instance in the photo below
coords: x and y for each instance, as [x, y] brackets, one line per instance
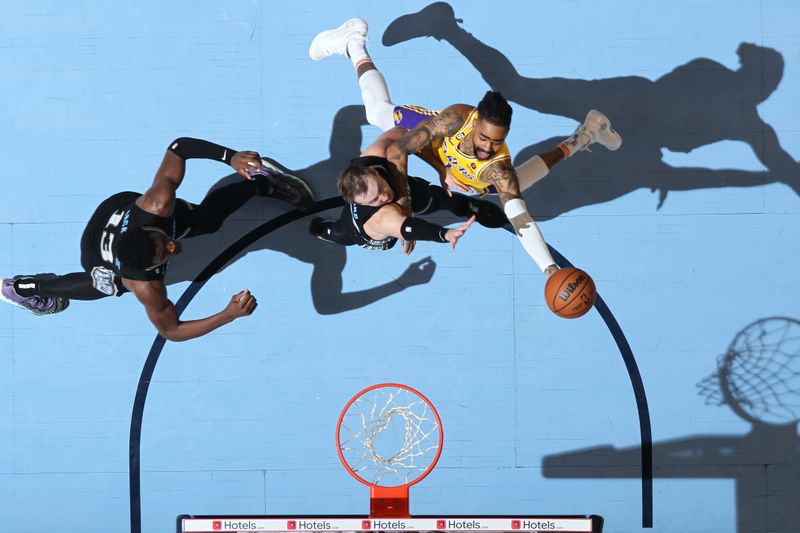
[758, 378]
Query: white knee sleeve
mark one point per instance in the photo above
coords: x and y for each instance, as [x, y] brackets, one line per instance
[528, 233]
[375, 94]
[531, 171]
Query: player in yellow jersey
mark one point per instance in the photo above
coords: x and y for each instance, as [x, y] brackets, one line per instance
[465, 144]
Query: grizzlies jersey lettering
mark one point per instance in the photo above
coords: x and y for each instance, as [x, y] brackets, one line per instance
[467, 169]
[359, 214]
[113, 217]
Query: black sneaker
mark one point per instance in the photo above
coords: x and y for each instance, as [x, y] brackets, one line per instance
[321, 229]
[275, 181]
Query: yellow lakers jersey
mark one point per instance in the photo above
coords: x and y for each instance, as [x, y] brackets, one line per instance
[467, 169]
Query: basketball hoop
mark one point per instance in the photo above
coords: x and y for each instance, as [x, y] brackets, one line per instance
[389, 437]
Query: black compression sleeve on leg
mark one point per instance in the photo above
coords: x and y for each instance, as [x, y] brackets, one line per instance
[77, 286]
[189, 148]
[417, 229]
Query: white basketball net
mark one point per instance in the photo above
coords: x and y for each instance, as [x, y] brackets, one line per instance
[389, 436]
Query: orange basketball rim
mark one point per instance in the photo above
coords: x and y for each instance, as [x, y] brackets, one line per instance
[389, 437]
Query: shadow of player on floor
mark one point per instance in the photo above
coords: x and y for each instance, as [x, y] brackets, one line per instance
[328, 261]
[697, 104]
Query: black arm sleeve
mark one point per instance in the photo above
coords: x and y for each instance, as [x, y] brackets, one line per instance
[417, 229]
[189, 148]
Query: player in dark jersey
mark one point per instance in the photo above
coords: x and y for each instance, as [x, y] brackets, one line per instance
[382, 205]
[131, 236]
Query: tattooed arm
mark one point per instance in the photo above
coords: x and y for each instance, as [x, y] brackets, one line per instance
[502, 175]
[437, 127]
[504, 178]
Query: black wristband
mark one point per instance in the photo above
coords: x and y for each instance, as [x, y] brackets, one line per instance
[189, 148]
[417, 229]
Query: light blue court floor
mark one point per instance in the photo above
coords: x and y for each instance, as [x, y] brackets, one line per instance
[674, 408]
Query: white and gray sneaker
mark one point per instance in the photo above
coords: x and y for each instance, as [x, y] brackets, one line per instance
[333, 42]
[595, 129]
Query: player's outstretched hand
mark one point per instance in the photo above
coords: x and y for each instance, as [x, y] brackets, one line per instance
[242, 160]
[242, 304]
[454, 234]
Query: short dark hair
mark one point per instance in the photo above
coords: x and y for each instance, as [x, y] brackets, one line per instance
[136, 249]
[495, 109]
[353, 181]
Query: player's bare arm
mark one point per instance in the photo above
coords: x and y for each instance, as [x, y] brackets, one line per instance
[392, 221]
[159, 199]
[445, 123]
[162, 313]
[386, 222]
[504, 178]
[432, 158]
[502, 175]
[398, 181]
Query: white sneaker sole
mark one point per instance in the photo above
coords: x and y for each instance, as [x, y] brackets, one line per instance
[350, 26]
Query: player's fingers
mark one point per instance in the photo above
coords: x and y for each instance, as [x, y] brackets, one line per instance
[242, 297]
[467, 224]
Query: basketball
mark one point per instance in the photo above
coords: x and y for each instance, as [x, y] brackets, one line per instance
[570, 292]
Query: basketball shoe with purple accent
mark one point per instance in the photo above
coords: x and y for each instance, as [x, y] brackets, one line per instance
[276, 181]
[37, 305]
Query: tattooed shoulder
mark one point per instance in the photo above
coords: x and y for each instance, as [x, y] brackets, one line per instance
[445, 123]
[449, 120]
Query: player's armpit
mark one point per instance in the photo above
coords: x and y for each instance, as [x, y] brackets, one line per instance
[502, 175]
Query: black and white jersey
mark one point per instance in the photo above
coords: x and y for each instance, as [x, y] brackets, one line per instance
[359, 214]
[100, 240]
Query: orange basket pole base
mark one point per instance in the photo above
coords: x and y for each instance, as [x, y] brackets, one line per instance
[388, 502]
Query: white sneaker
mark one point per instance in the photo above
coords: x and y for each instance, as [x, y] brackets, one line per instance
[333, 42]
[595, 129]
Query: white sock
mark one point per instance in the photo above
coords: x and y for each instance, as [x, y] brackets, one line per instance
[375, 94]
[531, 171]
[528, 233]
[357, 52]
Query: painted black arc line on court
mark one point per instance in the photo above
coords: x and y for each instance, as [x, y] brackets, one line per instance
[645, 433]
[134, 441]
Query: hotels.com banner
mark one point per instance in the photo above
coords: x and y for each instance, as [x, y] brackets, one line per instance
[452, 524]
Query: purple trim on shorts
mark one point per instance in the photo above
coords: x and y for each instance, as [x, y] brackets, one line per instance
[409, 118]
